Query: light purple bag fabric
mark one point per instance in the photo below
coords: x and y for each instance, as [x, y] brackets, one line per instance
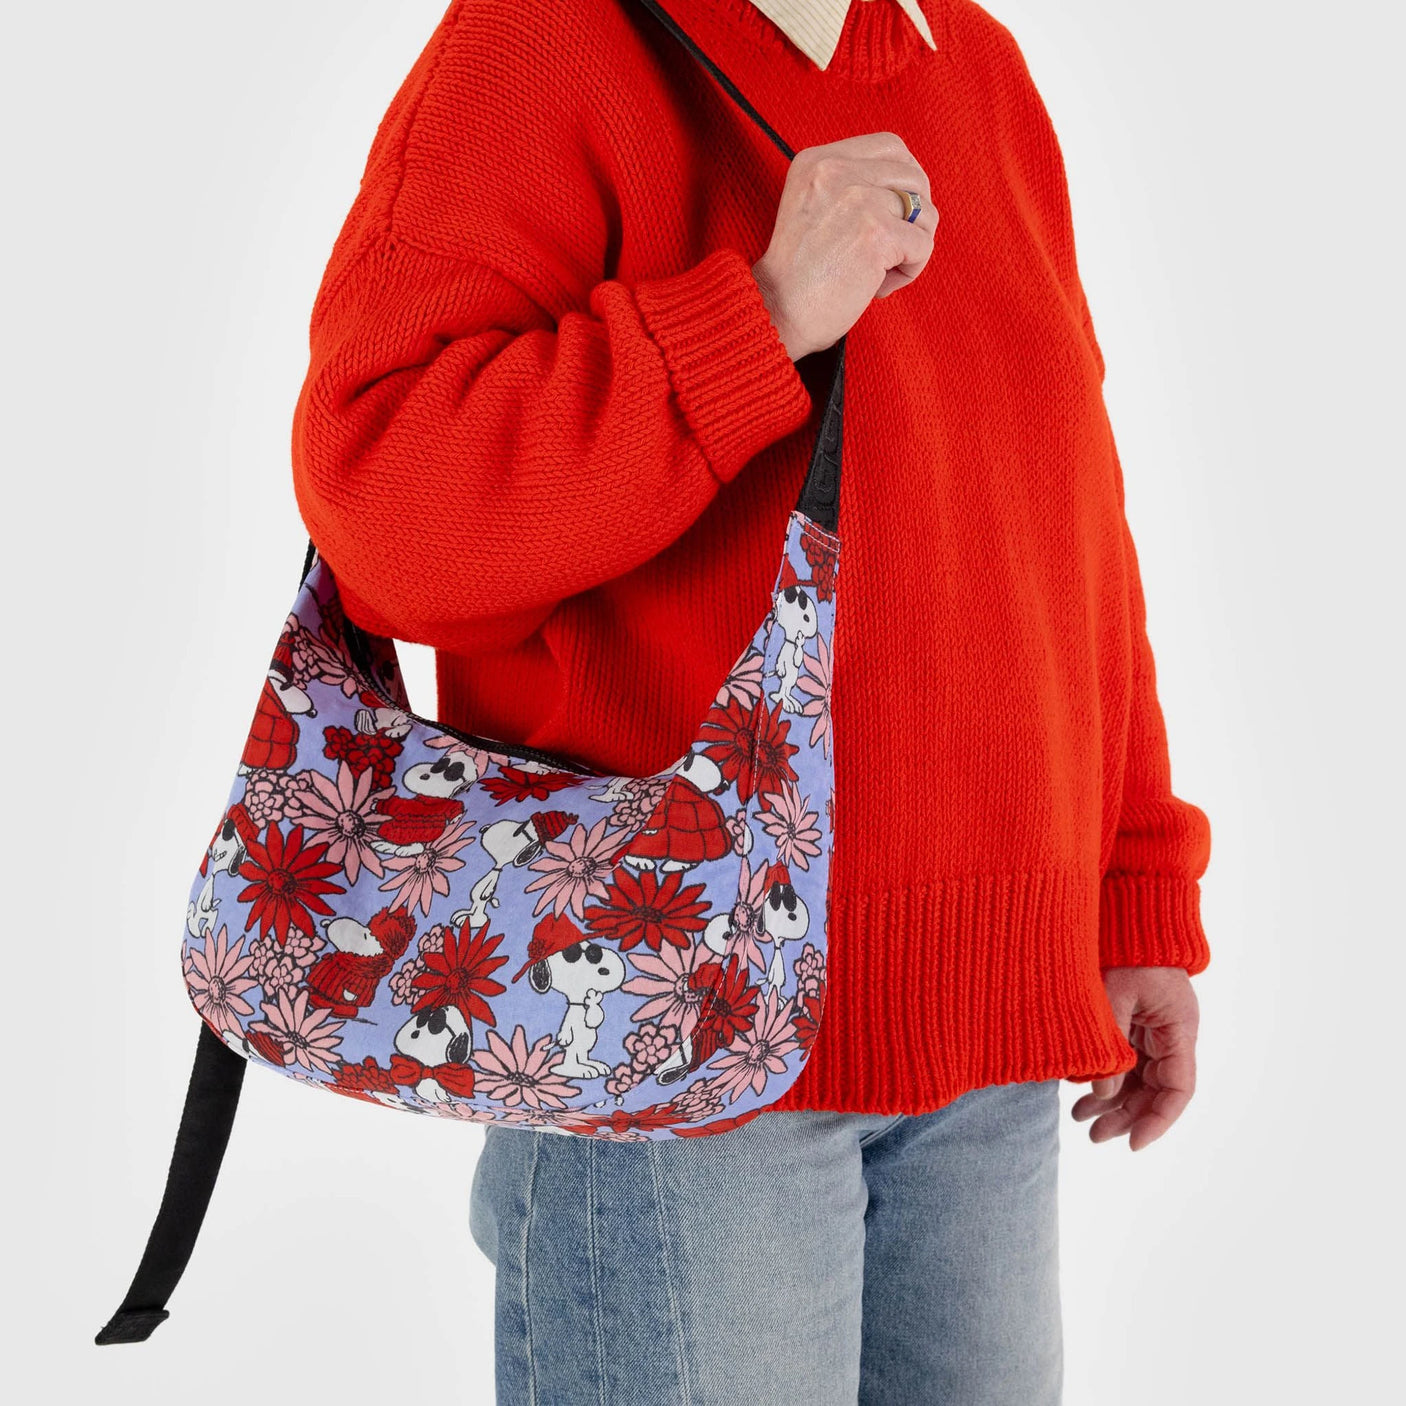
[452, 926]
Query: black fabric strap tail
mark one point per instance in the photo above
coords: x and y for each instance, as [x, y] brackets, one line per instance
[211, 1101]
[213, 1096]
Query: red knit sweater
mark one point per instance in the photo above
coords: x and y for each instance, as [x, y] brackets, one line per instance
[549, 429]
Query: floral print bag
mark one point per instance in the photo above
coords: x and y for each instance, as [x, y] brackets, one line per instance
[425, 920]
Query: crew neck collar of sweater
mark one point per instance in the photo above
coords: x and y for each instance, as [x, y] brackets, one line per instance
[866, 40]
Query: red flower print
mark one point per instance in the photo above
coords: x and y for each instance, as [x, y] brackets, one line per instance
[363, 750]
[772, 768]
[721, 1125]
[808, 1020]
[640, 908]
[822, 552]
[516, 785]
[364, 1079]
[750, 746]
[286, 883]
[459, 975]
[729, 1007]
[658, 1115]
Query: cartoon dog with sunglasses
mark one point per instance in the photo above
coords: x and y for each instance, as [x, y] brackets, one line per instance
[561, 958]
[419, 819]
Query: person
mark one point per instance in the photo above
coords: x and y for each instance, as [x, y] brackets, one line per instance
[558, 407]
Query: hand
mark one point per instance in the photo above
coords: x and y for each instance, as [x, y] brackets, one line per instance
[840, 239]
[1157, 1010]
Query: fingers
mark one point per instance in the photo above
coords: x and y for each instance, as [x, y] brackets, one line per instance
[1096, 1105]
[1165, 1107]
[1149, 1099]
[1106, 1088]
[1171, 1076]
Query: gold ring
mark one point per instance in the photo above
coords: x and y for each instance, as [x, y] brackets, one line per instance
[912, 205]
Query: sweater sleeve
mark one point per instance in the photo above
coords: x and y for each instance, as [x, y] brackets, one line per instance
[1150, 896]
[490, 423]
[1150, 893]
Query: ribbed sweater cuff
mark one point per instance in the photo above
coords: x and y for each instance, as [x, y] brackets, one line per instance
[1151, 920]
[737, 387]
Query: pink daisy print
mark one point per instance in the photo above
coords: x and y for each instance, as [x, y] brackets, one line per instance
[758, 1051]
[416, 878]
[340, 815]
[786, 816]
[744, 683]
[218, 978]
[747, 916]
[464, 1112]
[310, 1037]
[575, 868]
[736, 826]
[666, 978]
[548, 1119]
[815, 684]
[515, 1075]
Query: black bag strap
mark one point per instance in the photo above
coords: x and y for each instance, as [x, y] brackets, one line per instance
[211, 1101]
[217, 1075]
[820, 494]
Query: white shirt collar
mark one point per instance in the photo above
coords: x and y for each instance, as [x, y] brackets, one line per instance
[814, 26]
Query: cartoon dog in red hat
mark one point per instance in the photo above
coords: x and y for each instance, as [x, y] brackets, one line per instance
[515, 842]
[226, 851]
[272, 744]
[345, 980]
[562, 958]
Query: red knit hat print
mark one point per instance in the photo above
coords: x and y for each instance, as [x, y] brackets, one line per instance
[548, 824]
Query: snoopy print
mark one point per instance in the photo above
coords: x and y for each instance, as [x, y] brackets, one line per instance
[420, 818]
[225, 853]
[515, 842]
[785, 918]
[561, 958]
[796, 613]
[432, 1051]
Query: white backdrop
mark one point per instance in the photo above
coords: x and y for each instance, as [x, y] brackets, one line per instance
[177, 174]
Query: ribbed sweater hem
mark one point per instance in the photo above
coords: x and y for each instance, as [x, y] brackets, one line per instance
[986, 979]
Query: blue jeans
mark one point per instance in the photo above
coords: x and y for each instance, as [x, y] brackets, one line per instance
[802, 1259]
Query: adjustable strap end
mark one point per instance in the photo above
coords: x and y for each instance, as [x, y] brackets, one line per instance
[131, 1325]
